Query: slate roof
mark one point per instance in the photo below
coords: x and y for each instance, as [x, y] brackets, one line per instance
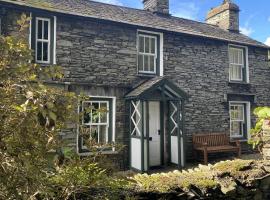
[139, 90]
[154, 83]
[91, 9]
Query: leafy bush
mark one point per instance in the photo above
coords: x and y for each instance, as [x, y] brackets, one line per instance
[258, 139]
[83, 177]
[31, 115]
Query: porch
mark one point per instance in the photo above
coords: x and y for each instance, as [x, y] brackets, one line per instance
[156, 125]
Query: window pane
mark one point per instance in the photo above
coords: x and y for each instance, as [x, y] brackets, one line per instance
[85, 138]
[45, 51]
[153, 45]
[103, 113]
[236, 128]
[237, 112]
[236, 56]
[147, 45]
[236, 72]
[39, 28]
[95, 113]
[152, 63]
[240, 57]
[146, 63]
[141, 44]
[140, 62]
[87, 113]
[46, 30]
[103, 134]
[39, 51]
[94, 133]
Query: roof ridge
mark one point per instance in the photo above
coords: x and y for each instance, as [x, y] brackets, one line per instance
[137, 17]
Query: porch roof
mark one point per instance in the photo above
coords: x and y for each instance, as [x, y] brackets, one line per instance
[161, 84]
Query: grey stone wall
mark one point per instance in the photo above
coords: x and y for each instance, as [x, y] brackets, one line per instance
[100, 58]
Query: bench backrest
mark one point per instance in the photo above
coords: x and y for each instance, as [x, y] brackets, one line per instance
[212, 139]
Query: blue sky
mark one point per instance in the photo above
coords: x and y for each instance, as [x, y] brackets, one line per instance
[254, 15]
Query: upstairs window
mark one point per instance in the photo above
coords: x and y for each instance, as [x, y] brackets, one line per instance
[43, 43]
[148, 53]
[43, 39]
[238, 68]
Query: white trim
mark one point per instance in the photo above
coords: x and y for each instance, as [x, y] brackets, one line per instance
[43, 40]
[161, 62]
[247, 66]
[161, 50]
[147, 54]
[30, 32]
[248, 110]
[54, 39]
[113, 98]
[246, 61]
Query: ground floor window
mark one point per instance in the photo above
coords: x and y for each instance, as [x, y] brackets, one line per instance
[239, 119]
[96, 126]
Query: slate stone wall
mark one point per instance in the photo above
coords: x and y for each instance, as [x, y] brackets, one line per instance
[100, 58]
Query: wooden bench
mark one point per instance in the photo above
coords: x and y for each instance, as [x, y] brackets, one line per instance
[213, 143]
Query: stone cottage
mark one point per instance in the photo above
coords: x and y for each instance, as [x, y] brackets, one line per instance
[160, 78]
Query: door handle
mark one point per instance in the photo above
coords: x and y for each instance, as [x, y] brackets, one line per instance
[150, 139]
[158, 132]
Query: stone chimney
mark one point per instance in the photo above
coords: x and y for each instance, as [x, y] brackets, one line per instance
[157, 6]
[226, 16]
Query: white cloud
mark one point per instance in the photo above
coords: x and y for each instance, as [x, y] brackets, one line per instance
[188, 10]
[114, 2]
[268, 19]
[267, 42]
[246, 30]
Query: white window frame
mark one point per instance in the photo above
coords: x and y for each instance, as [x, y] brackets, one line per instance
[148, 54]
[113, 100]
[161, 51]
[244, 66]
[246, 115]
[43, 40]
[98, 124]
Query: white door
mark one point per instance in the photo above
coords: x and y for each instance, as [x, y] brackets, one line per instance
[154, 133]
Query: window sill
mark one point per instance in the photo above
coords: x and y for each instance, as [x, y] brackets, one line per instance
[238, 83]
[102, 153]
[146, 75]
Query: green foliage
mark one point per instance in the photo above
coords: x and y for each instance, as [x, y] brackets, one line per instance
[32, 113]
[31, 116]
[258, 139]
[81, 177]
[221, 180]
[167, 182]
[233, 167]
